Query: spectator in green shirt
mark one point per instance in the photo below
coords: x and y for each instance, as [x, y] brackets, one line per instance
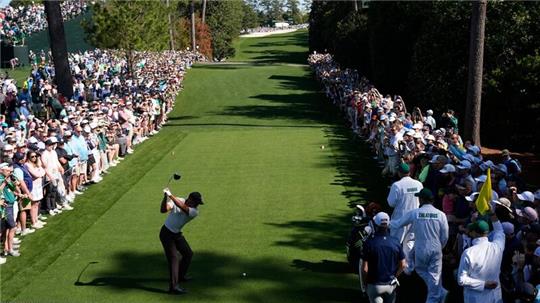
[9, 191]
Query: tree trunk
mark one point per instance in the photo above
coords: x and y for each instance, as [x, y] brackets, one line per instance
[129, 59]
[193, 42]
[476, 63]
[203, 17]
[171, 33]
[57, 41]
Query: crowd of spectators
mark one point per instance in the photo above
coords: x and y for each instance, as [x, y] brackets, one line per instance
[17, 23]
[425, 149]
[269, 29]
[53, 147]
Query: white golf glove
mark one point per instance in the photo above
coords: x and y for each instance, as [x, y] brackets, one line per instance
[167, 192]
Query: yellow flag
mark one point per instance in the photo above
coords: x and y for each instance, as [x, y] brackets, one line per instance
[484, 198]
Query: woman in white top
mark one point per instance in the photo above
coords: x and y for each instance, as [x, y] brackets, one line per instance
[35, 168]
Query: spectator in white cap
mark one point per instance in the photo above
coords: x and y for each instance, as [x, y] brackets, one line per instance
[54, 171]
[526, 217]
[503, 209]
[526, 198]
[383, 262]
[448, 169]
[465, 184]
[429, 120]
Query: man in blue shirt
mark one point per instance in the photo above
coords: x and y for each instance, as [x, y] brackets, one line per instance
[383, 260]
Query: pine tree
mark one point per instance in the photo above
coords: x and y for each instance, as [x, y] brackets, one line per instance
[129, 26]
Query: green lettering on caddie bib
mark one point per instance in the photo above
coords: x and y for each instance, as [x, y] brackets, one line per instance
[427, 216]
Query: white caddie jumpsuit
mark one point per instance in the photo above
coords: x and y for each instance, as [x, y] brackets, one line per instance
[430, 228]
[402, 199]
[480, 263]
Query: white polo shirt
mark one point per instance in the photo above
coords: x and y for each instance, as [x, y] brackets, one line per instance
[177, 218]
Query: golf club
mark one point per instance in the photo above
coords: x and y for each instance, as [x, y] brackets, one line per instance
[175, 176]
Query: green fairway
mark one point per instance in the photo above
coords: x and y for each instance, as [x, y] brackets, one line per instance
[248, 136]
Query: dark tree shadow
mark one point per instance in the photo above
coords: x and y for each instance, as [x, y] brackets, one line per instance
[325, 266]
[214, 272]
[178, 118]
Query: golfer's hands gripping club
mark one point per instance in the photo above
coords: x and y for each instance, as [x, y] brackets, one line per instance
[167, 192]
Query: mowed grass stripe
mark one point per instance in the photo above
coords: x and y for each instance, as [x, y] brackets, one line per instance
[244, 227]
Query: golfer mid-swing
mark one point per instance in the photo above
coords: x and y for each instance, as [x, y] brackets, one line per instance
[181, 211]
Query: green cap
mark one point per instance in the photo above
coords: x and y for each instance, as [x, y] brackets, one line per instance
[479, 226]
[425, 194]
[403, 168]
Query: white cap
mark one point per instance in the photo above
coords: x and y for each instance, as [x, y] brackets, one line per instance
[488, 164]
[4, 165]
[381, 218]
[41, 145]
[434, 159]
[481, 178]
[508, 228]
[8, 147]
[526, 196]
[417, 126]
[410, 133]
[468, 157]
[53, 139]
[429, 112]
[430, 137]
[472, 197]
[448, 168]
[87, 129]
[464, 165]
[32, 140]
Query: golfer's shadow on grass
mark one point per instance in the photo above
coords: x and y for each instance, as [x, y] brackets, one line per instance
[132, 272]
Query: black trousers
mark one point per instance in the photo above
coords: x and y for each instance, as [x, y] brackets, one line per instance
[174, 243]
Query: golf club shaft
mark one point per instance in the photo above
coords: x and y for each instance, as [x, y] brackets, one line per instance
[169, 182]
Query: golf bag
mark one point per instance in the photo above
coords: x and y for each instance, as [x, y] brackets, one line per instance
[361, 230]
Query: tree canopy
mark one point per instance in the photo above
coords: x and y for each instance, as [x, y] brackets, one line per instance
[420, 51]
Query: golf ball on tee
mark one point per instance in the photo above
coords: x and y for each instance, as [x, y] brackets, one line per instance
[322, 146]
[244, 275]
